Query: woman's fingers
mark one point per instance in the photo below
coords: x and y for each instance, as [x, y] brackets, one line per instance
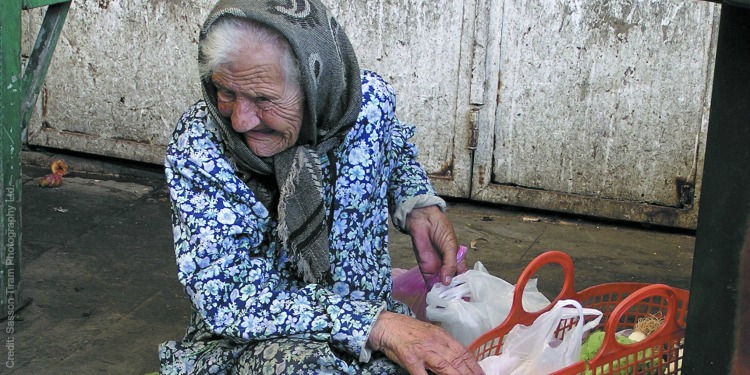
[434, 242]
[466, 363]
[441, 365]
[461, 267]
[418, 346]
[452, 363]
[461, 359]
[449, 265]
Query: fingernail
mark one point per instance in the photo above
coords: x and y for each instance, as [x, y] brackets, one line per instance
[448, 280]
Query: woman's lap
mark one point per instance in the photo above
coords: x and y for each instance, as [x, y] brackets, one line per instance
[277, 356]
[298, 356]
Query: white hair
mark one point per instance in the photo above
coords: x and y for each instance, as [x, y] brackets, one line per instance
[220, 46]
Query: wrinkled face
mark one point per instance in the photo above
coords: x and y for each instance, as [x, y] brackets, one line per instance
[262, 106]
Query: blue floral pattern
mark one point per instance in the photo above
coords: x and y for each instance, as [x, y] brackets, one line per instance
[242, 283]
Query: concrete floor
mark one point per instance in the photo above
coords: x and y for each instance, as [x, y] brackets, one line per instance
[100, 280]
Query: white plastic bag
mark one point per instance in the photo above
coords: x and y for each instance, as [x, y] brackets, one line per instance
[476, 302]
[409, 286]
[533, 350]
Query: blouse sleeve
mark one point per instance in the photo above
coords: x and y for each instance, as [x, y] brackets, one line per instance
[228, 265]
[409, 185]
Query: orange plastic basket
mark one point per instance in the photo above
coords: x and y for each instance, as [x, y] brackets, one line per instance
[622, 305]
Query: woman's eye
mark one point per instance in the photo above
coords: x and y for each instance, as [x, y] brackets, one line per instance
[225, 95]
[263, 102]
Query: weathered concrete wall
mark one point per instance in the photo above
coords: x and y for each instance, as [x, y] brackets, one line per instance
[590, 99]
[424, 49]
[604, 98]
[123, 72]
[420, 55]
[601, 108]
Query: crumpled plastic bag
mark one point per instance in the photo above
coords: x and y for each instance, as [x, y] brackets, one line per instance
[476, 302]
[410, 288]
[534, 349]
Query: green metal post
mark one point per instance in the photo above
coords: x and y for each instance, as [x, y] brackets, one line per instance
[724, 218]
[18, 94]
[11, 89]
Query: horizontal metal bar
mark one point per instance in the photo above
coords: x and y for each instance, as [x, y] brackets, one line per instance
[29, 4]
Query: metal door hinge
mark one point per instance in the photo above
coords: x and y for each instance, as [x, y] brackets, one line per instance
[473, 128]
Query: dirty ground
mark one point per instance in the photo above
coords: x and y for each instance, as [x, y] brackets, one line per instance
[100, 281]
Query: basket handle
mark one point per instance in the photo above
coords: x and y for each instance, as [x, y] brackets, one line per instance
[671, 324]
[517, 314]
[567, 291]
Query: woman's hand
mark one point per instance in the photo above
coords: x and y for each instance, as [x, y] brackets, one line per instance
[418, 346]
[435, 244]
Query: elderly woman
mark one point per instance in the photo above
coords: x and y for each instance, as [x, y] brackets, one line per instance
[282, 180]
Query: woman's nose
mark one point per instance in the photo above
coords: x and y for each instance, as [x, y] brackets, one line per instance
[245, 115]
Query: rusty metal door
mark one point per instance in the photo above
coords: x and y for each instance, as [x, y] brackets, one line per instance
[601, 108]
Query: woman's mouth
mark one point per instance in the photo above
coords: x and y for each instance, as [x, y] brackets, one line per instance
[259, 134]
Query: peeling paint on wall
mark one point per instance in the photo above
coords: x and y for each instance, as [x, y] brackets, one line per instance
[603, 98]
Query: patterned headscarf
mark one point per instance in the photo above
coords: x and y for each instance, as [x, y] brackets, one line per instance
[330, 79]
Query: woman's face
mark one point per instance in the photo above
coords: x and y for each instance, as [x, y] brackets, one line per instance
[262, 106]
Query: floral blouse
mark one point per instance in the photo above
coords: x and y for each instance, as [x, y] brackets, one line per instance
[241, 283]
